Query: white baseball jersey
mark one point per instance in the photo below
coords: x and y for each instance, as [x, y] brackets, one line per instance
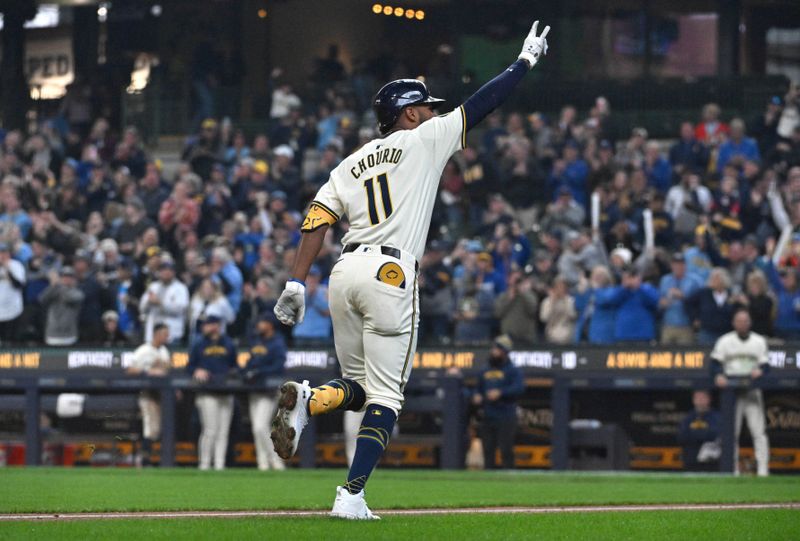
[147, 356]
[388, 187]
[739, 357]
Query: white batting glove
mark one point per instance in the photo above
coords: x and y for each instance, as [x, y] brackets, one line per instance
[534, 47]
[291, 306]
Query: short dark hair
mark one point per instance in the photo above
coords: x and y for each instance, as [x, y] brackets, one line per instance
[158, 326]
[739, 310]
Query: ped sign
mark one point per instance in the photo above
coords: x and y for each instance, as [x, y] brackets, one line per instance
[50, 67]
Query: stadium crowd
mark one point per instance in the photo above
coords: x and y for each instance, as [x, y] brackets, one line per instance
[99, 245]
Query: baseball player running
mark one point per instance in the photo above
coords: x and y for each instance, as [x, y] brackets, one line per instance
[387, 189]
[742, 353]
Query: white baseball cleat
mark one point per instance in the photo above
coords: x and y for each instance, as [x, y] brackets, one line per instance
[291, 419]
[351, 506]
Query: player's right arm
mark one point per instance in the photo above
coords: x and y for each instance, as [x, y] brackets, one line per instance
[324, 211]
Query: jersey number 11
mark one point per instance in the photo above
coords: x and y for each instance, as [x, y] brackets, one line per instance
[369, 185]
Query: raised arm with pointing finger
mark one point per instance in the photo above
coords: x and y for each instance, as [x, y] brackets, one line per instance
[391, 106]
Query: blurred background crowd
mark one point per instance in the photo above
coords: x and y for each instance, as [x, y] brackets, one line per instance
[553, 229]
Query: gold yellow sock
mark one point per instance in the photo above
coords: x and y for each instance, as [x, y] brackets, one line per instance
[324, 399]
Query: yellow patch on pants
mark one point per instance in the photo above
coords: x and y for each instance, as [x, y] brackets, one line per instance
[392, 274]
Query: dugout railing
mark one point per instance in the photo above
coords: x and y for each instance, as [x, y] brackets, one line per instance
[440, 394]
[432, 391]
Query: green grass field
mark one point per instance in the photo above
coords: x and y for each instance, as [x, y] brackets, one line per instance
[772, 525]
[96, 490]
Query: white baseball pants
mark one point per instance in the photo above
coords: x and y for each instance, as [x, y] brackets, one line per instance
[750, 406]
[215, 411]
[375, 321]
[262, 409]
[150, 409]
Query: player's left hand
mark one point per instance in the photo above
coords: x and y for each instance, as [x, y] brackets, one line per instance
[756, 373]
[534, 46]
[291, 306]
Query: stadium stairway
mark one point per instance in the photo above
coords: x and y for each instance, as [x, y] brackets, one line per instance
[168, 150]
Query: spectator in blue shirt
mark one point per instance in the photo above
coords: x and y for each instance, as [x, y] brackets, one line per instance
[657, 168]
[571, 171]
[512, 250]
[228, 275]
[637, 304]
[251, 240]
[238, 148]
[316, 326]
[676, 327]
[688, 154]
[474, 314]
[499, 387]
[738, 148]
[13, 212]
[785, 284]
[698, 262]
[597, 314]
[488, 275]
[21, 250]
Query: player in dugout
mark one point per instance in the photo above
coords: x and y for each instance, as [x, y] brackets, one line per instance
[212, 355]
[387, 189]
[152, 359]
[499, 387]
[267, 357]
[698, 434]
[743, 355]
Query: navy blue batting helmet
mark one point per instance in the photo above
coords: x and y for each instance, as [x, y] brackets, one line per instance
[392, 97]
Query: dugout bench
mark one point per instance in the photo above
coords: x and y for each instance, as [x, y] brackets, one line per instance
[563, 387]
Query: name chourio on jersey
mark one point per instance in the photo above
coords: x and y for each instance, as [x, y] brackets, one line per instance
[388, 187]
[380, 156]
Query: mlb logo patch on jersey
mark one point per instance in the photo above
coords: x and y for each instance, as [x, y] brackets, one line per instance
[392, 274]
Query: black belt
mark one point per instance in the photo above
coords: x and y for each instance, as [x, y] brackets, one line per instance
[385, 250]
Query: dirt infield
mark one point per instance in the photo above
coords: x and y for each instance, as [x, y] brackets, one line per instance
[396, 512]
